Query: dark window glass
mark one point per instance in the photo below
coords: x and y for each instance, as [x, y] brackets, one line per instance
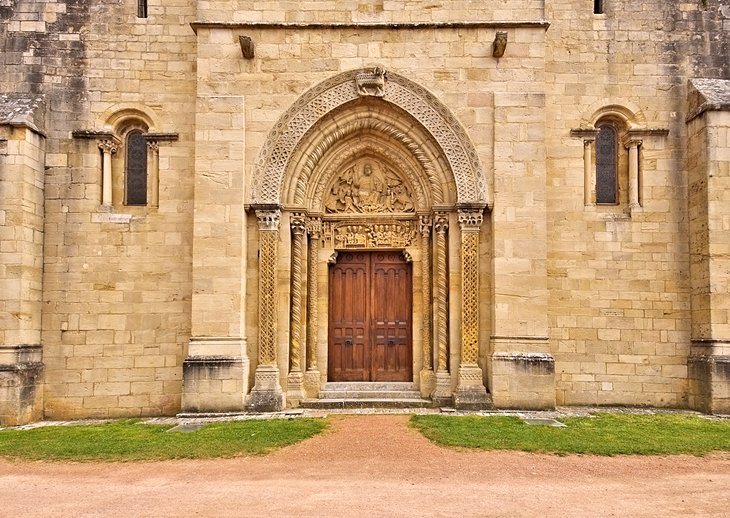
[136, 177]
[606, 155]
[597, 6]
[141, 8]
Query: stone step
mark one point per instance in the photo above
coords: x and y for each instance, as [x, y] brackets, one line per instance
[326, 403]
[360, 394]
[367, 390]
[369, 385]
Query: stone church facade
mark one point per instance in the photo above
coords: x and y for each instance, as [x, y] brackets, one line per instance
[229, 205]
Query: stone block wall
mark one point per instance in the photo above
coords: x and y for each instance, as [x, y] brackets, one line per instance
[116, 284]
[22, 158]
[619, 278]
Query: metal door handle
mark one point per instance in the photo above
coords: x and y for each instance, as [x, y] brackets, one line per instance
[348, 341]
[391, 342]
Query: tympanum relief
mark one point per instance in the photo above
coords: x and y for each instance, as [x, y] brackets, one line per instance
[368, 188]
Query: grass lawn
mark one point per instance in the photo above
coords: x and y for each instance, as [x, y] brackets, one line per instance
[133, 440]
[602, 434]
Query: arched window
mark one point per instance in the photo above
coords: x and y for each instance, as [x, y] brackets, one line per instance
[135, 177]
[606, 164]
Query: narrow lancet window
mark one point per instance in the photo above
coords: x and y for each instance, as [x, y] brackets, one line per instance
[606, 165]
[598, 7]
[136, 169]
[141, 8]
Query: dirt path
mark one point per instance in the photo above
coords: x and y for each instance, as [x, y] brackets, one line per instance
[373, 466]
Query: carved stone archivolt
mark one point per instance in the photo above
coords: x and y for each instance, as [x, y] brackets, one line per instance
[368, 188]
[430, 113]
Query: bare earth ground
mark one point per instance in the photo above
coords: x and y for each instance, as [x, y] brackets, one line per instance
[373, 465]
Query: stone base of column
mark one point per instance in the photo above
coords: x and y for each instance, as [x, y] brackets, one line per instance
[441, 395]
[709, 383]
[524, 380]
[294, 389]
[470, 392]
[214, 384]
[428, 382]
[312, 384]
[266, 395]
[21, 394]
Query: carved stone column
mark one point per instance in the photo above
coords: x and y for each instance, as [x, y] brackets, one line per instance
[312, 376]
[442, 390]
[470, 391]
[295, 388]
[589, 176]
[633, 147]
[108, 148]
[428, 378]
[266, 395]
[153, 182]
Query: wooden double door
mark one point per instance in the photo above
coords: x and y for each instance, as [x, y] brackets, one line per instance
[370, 312]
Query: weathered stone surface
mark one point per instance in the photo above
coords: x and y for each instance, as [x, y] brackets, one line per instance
[552, 299]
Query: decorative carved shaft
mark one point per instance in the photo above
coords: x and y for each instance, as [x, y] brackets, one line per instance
[108, 148]
[315, 228]
[268, 296]
[470, 221]
[298, 228]
[441, 225]
[426, 290]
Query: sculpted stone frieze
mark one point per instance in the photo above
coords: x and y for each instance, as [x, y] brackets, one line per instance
[368, 188]
[345, 235]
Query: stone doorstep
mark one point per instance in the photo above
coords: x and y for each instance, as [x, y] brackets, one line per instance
[368, 395]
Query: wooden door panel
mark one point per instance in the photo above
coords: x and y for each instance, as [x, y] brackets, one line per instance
[348, 329]
[391, 309]
[370, 318]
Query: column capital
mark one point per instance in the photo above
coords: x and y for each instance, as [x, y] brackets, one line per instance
[108, 145]
[314, 227]
[470, 219]
[441, 222]
[632, 142]
[425, 222]
[268, 219]
[298, 223]
[153, 145]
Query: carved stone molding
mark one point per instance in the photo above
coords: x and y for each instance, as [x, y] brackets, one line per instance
[368, 187]
[431, 113]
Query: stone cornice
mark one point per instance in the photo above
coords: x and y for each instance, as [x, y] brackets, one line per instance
[491, 24]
